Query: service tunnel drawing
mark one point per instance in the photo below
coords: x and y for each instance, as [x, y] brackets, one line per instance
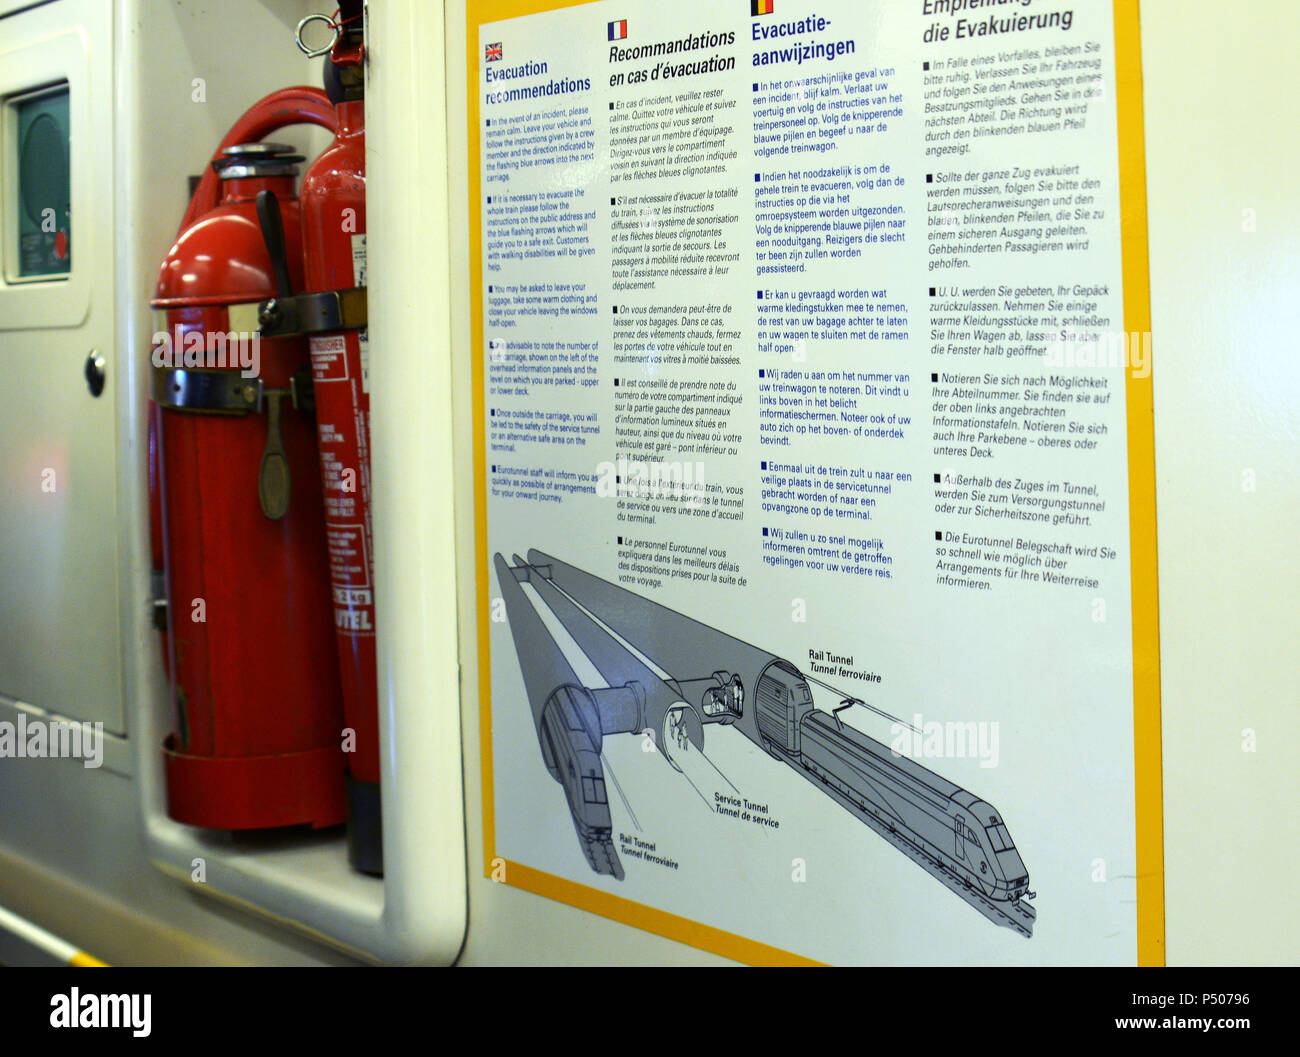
[670, 676]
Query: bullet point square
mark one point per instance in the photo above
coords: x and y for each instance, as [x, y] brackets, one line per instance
[938, 535]
[932, 291]
[929, 177]
[620, 539]
[755, 177]
[611, 106]
[765, 532]
[925, 65]
[936, 478]
[934, 377]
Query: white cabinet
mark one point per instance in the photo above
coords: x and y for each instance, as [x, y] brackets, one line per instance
[60, 640]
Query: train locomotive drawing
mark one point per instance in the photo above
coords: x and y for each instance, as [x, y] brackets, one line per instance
[671, 675]
[570, 740]
[941, 820]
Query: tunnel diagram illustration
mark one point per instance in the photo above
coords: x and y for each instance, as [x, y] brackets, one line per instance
[669, 676]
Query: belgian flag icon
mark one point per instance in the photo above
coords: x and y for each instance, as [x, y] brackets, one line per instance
[760, 7]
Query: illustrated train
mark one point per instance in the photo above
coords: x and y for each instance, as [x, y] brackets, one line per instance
[570, 737]
[634, 643]
[941, 820]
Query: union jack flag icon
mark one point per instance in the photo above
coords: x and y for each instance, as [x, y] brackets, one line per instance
[492, 52]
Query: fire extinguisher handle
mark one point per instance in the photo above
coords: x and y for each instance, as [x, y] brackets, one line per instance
[272, 224]
[273, 481]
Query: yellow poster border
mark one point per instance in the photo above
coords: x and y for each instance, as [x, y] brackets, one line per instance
[1148, 782]
[1148, 790]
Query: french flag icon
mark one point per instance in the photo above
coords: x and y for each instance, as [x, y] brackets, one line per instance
[618, 30]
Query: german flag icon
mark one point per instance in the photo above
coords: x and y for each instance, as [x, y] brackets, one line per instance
[760, 7]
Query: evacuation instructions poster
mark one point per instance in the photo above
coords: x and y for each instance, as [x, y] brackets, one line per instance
[815, 509]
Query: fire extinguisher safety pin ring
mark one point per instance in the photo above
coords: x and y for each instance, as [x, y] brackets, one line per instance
[333, 26]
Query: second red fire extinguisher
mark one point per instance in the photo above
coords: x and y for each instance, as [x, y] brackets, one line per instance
[333, 197]
[332, 311]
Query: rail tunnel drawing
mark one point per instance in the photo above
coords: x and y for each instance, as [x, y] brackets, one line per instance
[670, 676]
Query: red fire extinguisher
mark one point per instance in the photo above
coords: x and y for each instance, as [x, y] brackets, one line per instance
[241, 522]
[332, 311]
[334, 243]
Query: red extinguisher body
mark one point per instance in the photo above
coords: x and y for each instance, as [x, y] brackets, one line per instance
[333, 196]
[299, 105]
[259, 708]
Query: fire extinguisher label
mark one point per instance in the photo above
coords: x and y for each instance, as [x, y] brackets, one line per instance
[353, 620]
[348, 562]
[350, 574]
[359, 259]
[342, 435]
[329, 359]
[364, 338]
[352, 597]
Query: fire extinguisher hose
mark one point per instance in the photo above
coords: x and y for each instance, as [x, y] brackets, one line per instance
[300, 105]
